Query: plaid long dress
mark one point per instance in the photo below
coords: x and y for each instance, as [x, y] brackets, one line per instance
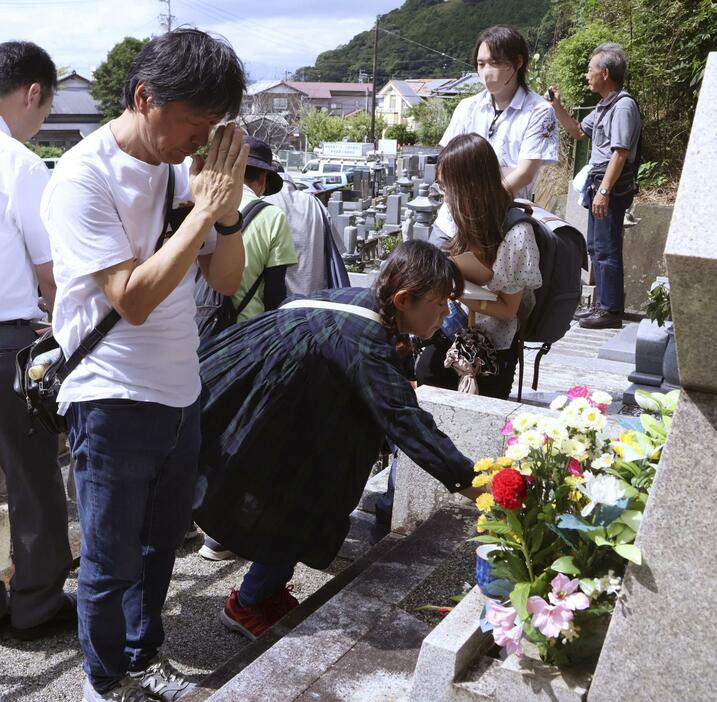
[296, 404]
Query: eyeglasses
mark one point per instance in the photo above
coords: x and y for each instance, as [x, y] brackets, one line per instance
[493, 127]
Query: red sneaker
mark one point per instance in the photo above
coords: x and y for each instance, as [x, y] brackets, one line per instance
[254, 620]
[279, 604]
[249, 621]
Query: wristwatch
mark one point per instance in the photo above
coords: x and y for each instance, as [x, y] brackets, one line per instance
[603, 191]
[226, 231]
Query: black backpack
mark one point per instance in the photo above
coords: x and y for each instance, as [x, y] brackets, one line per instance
[563, 253]
[216, 312]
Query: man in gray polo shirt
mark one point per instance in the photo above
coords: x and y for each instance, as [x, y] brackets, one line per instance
[614, 128]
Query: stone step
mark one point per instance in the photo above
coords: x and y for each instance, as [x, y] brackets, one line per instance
[350, 639]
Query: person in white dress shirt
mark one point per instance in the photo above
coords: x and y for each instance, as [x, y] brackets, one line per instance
[36, 496]
[517, 122]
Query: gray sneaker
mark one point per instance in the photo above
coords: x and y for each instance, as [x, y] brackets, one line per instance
[128, 690]
[162, 681]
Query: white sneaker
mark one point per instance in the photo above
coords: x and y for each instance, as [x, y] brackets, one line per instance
[128, 690]
[213, 551]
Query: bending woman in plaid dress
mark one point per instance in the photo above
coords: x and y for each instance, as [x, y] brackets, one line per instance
[296, 405]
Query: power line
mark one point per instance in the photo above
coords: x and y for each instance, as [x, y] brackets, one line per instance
[428, 48]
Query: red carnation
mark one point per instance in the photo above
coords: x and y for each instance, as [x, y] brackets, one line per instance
[508, 487]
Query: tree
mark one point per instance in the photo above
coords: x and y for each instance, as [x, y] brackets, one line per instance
[431, 118]
[317, 127]
[109, 78]
[402, 134]
[45, 151]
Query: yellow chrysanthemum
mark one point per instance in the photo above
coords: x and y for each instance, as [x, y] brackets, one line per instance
[481, 520]
[483, 465]
[485, 502]
[575, 496]
[481, 480]
[573, 480]
[503, 462]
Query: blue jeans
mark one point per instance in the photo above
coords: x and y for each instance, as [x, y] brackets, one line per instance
[135, 475]
[605, 250]
[261, 581]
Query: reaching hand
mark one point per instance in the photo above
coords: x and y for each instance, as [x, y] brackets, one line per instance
[217, 183]
[553, 96]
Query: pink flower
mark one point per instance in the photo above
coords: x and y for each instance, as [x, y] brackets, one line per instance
[564, 593]
[574, 467]
[549, 620]
[507, 629]
[512, 440]
[578, 391]
[599, 405]
[507, 429]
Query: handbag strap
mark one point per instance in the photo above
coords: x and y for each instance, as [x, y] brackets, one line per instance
[338, 306]
[250, 293]
[113, 316]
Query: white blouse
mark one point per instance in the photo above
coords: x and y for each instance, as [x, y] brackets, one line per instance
[516, 268]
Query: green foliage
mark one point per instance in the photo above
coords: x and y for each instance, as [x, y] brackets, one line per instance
[657, 306]
[319, 126]
[401, 133]
[450, 27]
[652, 174]
[109, 78]
[432, 118]
[45, 151]
[568, 63]
[667, 43]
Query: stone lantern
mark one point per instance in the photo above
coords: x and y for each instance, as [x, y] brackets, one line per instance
[425, 210]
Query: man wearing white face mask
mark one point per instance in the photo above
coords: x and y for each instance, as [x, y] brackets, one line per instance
[519, 124]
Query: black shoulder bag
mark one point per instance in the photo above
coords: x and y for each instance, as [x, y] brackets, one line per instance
[40, 396]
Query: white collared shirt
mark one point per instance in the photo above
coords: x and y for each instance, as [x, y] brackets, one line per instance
[23, 239]
[526, 130]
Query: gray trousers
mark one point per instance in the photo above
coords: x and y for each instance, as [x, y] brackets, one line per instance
[36, 500]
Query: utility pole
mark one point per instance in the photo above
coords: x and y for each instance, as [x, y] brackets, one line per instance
[166, 19]
[373, 95]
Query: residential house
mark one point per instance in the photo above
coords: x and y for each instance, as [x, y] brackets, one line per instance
[73, 116]
[291, 97]
[397, 97]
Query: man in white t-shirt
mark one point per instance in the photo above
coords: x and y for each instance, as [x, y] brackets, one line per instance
[132, 403]
[36, 496]
[519, 124]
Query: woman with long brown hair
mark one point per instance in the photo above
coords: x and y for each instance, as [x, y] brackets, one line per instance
[507, 263]
[296, 404]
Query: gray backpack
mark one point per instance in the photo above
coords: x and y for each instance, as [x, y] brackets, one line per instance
[563, 254]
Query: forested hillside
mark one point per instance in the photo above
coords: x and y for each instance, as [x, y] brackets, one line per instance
[448, 26]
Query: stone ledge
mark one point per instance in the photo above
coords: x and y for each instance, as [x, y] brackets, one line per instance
[352, 629]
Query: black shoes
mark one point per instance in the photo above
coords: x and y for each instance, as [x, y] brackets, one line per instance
[602, 319]
[64, 620]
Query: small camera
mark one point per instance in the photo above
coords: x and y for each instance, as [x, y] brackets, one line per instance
[551, 94]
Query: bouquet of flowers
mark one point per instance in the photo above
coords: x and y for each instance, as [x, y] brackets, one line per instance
[558, 522]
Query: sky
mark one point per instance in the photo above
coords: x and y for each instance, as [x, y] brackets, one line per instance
[270, 36]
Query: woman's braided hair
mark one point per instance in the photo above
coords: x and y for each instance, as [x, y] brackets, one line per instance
[419, 268]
